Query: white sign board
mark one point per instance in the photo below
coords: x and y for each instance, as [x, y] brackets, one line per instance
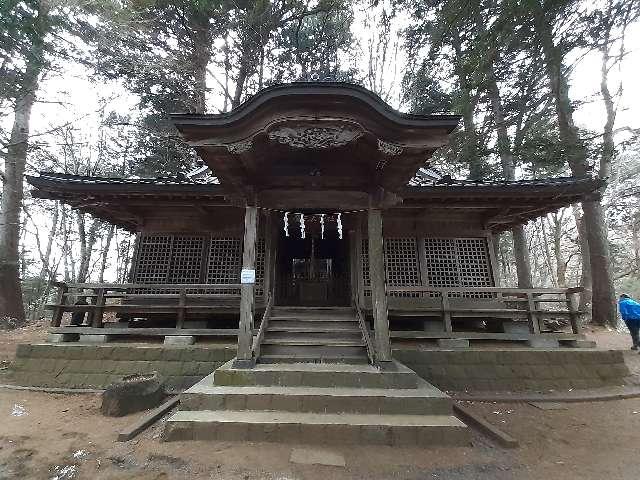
[248, 275]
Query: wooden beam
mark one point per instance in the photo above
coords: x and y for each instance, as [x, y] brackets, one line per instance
[269, 254]
[378, 290]
[245, 328]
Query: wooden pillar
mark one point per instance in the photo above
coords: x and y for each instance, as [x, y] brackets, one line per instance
[245, 328]
[357, 238]
[378, 290]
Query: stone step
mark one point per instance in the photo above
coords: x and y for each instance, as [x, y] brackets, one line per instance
[317, 375]
[317, 428]
[313, 338]
[313, 328]
[278, 308]
[332, 340]
[285, 334]
[420, 401]
[357, 359]
[320, 324]
[320, 352]
[314, 318]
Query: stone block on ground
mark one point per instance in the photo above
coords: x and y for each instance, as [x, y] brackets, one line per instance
[62, 337]
[541, 342]
[133, 393]
[87, 338]
[581, 344]
[453, 343]
[179, 340]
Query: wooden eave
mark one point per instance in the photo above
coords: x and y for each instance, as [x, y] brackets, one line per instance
[504, 205]
[314, 135]
[122, 202]
[500, 206]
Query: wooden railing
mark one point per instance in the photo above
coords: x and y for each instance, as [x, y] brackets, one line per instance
[366, 333]
[130, 293]
[494, 302]
[257, 341]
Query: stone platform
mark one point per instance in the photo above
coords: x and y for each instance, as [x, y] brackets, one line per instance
[317, 404]
[76, 365]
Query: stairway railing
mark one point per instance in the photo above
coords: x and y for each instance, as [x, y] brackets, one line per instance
[257, 341]
[364, 329]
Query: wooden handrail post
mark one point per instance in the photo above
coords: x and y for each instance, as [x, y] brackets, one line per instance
[182, 304]
[446, 312]
[574, 315]
[58, 311]
[534, 326]
[98, 309]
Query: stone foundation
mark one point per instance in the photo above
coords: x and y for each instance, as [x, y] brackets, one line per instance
[517, 369]
[96, 366]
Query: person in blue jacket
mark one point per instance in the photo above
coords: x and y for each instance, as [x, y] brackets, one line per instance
[630, 313]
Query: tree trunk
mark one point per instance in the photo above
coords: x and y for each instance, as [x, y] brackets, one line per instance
[585, 274]
[45, 270]
[105, 252]
[547, 252]
[520, 246]
[561, 264]
[87, 241]
[603, 302]
[200, 24]
[469, 151]
[521, 254]
[11, 307]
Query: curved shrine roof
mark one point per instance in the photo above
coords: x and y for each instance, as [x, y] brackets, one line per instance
[314, 136]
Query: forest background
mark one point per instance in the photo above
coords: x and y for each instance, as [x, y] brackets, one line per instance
[545, 88]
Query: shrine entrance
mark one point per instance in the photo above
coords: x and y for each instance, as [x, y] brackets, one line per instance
[313, 272]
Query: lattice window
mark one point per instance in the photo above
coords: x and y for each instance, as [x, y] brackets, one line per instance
[225, 262]
[366, 278]
[260, 256]
[441, 262]
[473, 262]
[154, 259]
[186, 261]
[401, 264]
[458, 262]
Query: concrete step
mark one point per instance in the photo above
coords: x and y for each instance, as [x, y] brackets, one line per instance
[285, 334]
[317, 428]
[317, 375]
[423, 400]
[356, 359]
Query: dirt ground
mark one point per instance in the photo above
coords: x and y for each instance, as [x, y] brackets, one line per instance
[52, 436]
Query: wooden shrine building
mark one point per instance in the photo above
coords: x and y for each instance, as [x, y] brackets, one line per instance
[319, 202]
